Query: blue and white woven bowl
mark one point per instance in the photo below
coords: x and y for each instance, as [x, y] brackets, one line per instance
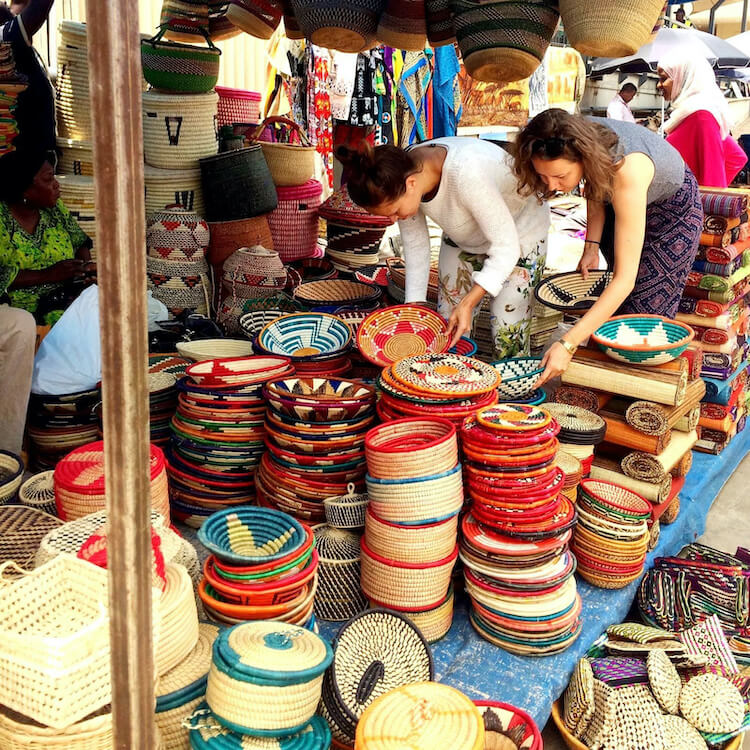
[517, 376]
[643, 339]
[305, 336]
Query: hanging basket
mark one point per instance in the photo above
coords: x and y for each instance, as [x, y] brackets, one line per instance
[290, 163]
[402, 25]
[258, 18]
[344, 26]
[183, 20]
[503, 41]
[440, 29]
[612, 28]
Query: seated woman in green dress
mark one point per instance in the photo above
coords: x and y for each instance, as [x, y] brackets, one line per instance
[42, 248]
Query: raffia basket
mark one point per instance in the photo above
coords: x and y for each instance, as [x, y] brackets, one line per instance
[11, 477]
[609, 29]
[436, 622]
[290, 164]
[76, 157]
[165, 187]
[179, 620]
[39, 493]
[405, 585]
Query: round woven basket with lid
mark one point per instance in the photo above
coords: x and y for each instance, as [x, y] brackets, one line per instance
[266, 678]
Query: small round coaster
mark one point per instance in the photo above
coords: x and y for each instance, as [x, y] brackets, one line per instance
[679, 735]
[712, 704]
[664, 680]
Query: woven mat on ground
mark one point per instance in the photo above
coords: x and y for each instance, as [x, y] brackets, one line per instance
[483, 671]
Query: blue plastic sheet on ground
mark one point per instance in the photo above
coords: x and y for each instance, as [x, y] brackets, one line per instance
[483, 671]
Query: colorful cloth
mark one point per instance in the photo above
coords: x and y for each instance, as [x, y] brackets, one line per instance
[319, 117]
[722, 254]
[720, 224]
[703, 307]
[57, 237]
[720, 391]
[694, 291]
[412, 98]
[718, 203]
[446, 110]
[722, 269]
[617, 671]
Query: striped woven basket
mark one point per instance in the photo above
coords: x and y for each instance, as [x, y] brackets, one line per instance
[11, 475]
[504, 41]
[345, 26]
[179, 187]
[291, 164]
[76, 157]
[260, 18]
[294, 222]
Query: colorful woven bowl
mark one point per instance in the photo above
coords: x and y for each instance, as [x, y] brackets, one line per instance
[643, 339]
[465, 346]
[570, 292]
[241, 371]
[248, 535]
[401, 331]
[337, 292]
[507, 720]
[517, 376]
[305, 335]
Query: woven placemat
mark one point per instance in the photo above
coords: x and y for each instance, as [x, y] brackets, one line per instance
[579, 699]
[603, 720]
[634, 631]
[712, 704]
[664, 680]
[21, 531]
[679, 735]
[707, 639]
[637, 722]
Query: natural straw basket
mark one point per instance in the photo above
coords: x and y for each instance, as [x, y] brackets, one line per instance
[434, 623]
[346, 511]
[406, 585]
[409, 448]
[166, 187]
[11, 475]
[612, 29]
[179, 620]
[290, 164]
[21, 531]
[344, 26]
[76, 157]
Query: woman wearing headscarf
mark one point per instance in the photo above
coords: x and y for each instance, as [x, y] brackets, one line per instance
[42, 248]
[699, 124]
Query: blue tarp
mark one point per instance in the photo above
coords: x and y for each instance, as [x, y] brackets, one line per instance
[484, 671]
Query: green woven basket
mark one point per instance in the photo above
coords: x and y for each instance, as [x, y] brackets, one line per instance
[180, 68]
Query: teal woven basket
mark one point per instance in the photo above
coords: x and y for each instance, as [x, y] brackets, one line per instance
[518, 376]
[643, 339]
[180, 68]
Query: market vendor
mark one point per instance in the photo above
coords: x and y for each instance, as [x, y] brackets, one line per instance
[43, 251]
[699, 123]
[494, 240]
[643, 207]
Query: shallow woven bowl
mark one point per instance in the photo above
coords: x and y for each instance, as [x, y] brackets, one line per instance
[336, 291]
[11, 475]
[393, 333]
[465, 346]
[643, 339]
[214, 349]
[517, 376]
[570, 292]
[305, 335]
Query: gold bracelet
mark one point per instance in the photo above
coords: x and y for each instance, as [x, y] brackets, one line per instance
[567, 346]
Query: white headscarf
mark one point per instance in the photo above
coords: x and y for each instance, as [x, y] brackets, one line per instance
[694, 88]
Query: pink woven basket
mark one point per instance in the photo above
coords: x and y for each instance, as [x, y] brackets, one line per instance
[294, 223]
[237, 105]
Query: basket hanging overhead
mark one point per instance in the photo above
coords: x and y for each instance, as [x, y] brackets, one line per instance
[402, 25]
[258, 18]
[185, 19]
[504, 41]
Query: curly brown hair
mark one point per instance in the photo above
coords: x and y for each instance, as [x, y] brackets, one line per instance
[375, 176]
[555, 134]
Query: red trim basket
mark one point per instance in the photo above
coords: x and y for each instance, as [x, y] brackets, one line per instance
[294, 223]
[237, 105]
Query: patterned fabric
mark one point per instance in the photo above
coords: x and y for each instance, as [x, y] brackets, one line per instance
[707, 638]
[510, 320]
[57, 237]
[320, 122]
[618, 671]
[722, 254]
[702, 307]
[723, 204]
[720, 224]
[722, 269]
[672, 231]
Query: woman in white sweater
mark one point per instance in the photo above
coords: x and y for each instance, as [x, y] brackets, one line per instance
[494, 240]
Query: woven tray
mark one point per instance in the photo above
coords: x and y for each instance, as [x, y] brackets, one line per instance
[21, 531]
[337, 291]
[570, 292]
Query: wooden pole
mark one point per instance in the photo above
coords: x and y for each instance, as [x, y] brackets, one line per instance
[115, 81]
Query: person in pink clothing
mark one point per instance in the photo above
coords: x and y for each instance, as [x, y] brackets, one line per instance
[699, 123]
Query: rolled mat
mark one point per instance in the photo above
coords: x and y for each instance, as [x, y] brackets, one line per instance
[724, 202]
[622, 434]
[682, 468]
[665, 384]
[694, 356]
[658, 512]
[655, 419]
[583, 397]
[720, 391]
[704, 307]
[721, 425]
[609, 471]
[689, 421]
[719, 224]
[719, 411]
[723, 254]
[721, 269]
[649, 468]
[722, 321]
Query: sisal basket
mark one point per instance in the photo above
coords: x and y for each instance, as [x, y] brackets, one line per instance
[290, 164]
[11, 475]
[611, 29]
[165, 187]
[21, 531]
[76, 157]
[39, 493]
[179, 620]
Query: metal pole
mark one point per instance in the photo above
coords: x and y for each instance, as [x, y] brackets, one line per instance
[712, 16]
[744, 16]
[115, 81]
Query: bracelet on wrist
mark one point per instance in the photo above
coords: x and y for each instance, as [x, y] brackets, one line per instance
[570, 348]
[591, 242]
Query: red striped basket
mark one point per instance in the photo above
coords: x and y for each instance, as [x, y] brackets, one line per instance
[237, 105]
[294, 223]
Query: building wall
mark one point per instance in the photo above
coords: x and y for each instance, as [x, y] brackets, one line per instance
[243, 61]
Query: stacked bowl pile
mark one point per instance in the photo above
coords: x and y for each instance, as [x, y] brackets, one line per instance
[517, 378]
[237, 106]
[11, 85]
[315, 434]
[176, 242]
[397, 282]
[165, 186]
[409, 548]
[581, 431]
[250, 273]
[262, 566]
[338, 295]
[612, 536]
[443, 385]
[58, 424]
[518, 569]
[217, 434]
[573, 470]
[318, 344]
[265, 681]
[79, 482]
[162, 404]
[354, 235]
[72, 101]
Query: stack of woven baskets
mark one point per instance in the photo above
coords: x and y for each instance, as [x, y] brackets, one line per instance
[315, 433]
[353, 234]
[218, 433]
[580, 432]
[519, 572]
[265, 681]
[415, 494]
[79, 482]
[176, 242]
[262, 566]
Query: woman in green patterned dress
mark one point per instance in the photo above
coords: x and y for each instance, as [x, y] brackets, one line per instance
[42, 248]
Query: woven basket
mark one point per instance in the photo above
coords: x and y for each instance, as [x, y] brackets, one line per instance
[348, 27]
[439, 18]
[609, 29]
[258, 18]
[337, 292]
[39, 493]
[570, 292]
[21, 531]
[213, 349]
[434, 623]
[165, 187]
[346, 511]
[229, 236]
[72, 86]
[179, 620]
[237, 105]
[237, 185]
[185, 20]
[402, 25]
[178, 130]
[179, 68]
[503, 41]
[294, 222]
[76, 157]
[290, 164]
[405, 585]
[11, 475]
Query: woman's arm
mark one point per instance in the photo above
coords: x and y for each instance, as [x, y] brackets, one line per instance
[61, 271]
[594, 228]
[629, 202]
[416, 250]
